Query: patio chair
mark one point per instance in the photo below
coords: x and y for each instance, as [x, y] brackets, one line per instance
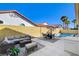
[45, 36]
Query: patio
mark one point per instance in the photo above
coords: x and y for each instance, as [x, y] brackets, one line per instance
[58, 48]
[65, 46]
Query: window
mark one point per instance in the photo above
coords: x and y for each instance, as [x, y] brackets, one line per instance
[22, 24]
[1, 22]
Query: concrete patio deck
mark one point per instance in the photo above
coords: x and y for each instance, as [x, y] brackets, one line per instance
[53, 49]
[65, 46]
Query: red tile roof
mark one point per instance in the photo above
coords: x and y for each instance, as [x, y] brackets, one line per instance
[53, 26]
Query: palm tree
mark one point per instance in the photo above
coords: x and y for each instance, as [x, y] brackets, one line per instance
[67, 22]
[75, 23]
[63, 19]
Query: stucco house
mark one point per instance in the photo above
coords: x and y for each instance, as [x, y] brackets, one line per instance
[13, 17]
[13, 20]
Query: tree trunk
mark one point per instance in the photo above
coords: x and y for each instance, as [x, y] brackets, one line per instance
[63, 25]
[74, 25]
[67, 26]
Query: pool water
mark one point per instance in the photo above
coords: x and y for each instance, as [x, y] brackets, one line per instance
[65, 34]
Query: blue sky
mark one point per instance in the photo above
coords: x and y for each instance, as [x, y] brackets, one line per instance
[45, 12]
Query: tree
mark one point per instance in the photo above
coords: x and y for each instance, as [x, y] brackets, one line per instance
[75, 23]
[67, 22]
[63, 19]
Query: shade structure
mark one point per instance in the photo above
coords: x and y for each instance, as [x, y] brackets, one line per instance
[7, 32]
[77, 14]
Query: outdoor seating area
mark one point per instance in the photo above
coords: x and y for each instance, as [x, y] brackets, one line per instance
[10, 42]
[23, 46]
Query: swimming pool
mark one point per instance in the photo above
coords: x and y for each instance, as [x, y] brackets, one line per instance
[65, 34]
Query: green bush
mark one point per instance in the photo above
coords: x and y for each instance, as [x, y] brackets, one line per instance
[14, 51]
[74, 28]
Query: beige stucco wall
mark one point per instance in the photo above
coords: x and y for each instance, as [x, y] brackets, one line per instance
[33, 31]
[70, 31]
[56, 31]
